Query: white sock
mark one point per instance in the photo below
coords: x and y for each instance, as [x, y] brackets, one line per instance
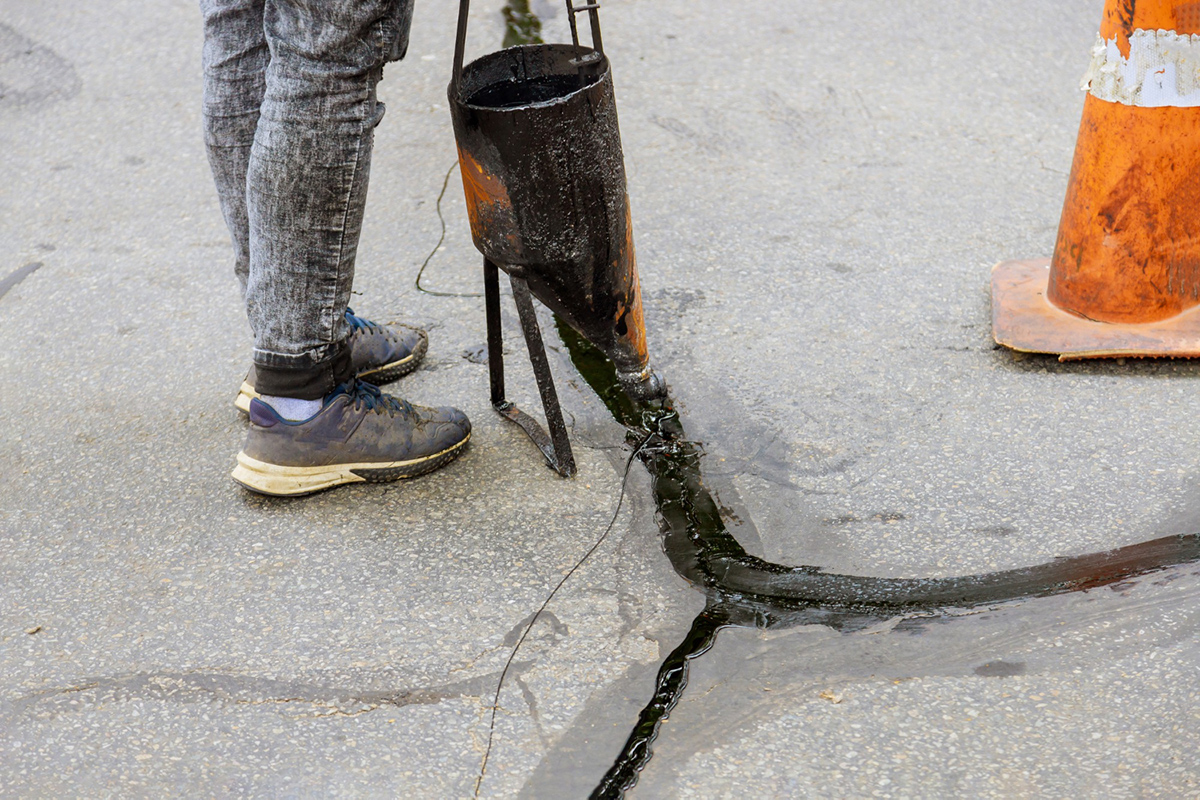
[292, 408]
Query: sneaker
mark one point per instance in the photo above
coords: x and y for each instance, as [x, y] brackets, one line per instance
[359, 435]
[380, 354]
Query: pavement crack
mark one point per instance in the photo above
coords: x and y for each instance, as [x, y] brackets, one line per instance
[17, 276]
[557, 628]
[334, 710]
[530, 700]
[532, 704]
[234, 690]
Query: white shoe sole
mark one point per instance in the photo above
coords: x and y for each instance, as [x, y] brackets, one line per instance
[280, 481]
[245, 395]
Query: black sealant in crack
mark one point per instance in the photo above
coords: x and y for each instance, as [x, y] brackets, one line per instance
[668, 688]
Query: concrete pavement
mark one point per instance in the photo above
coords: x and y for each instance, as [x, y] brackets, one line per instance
[818, 194]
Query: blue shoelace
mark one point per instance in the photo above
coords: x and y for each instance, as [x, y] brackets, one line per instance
[359, 324]
[369, 396]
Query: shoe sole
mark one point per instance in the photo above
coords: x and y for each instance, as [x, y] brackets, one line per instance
[397, 369]
[385, 374]
[279, 481]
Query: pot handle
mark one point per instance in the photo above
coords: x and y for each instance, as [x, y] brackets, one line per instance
[460, 42]
[593, 9]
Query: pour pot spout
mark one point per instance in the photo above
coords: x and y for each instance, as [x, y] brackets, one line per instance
[643, 386]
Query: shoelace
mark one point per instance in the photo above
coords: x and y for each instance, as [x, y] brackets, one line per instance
[358, 323]
[369, 396]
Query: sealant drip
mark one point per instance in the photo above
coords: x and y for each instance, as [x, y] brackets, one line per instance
[672, 680]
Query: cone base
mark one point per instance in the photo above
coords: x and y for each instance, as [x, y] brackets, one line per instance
[1024, 320]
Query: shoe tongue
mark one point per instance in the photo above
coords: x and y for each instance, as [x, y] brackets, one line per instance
[355, 388]
[342, 388]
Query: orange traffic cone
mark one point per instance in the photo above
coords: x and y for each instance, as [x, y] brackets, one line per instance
[1125, 276]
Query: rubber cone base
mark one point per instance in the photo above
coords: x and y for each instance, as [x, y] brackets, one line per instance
[1024, 320]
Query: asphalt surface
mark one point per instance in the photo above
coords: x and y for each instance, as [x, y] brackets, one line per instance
[819, 192]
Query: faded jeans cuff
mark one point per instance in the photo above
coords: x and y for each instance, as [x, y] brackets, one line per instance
[302, 376]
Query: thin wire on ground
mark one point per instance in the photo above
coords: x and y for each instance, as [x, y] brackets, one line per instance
[511, 656]
[438, 246]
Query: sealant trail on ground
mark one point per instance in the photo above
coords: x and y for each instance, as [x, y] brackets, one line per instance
[672, 680]
[747, 591]
[703, 551]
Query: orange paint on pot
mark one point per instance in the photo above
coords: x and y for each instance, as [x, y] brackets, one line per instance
[485, 195]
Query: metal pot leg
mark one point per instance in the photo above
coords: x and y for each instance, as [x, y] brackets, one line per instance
[556, 447]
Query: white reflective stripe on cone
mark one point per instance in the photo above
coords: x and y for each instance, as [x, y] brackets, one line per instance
[1163, 69]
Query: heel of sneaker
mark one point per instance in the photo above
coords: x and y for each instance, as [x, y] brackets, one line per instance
[245, 394]
[278, 481]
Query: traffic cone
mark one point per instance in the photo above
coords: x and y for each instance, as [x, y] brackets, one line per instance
[1125, 276]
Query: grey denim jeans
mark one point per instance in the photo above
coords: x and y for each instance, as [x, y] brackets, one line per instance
[289, 117]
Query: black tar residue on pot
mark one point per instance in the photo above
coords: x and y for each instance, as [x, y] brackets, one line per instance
[521, 26]
[746, 591]
[516, 94]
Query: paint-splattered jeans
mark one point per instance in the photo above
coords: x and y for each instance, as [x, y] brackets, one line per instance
[289, 116]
